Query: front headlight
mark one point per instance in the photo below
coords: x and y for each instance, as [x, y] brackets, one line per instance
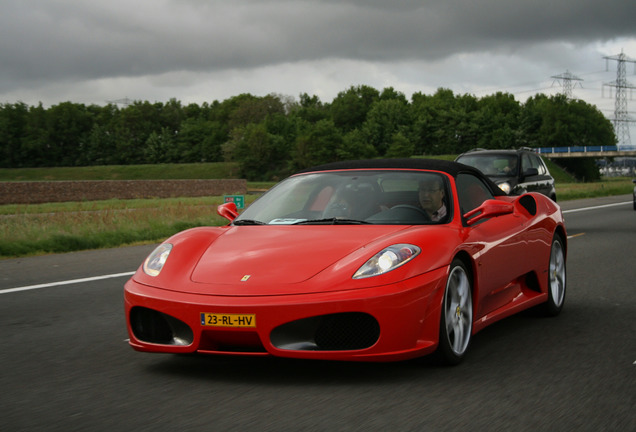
[156, 260]
[505, 186]
[387, 259]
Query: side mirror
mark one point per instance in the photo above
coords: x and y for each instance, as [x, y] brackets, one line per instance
[489, 208]
[530, 172]
[228, 211]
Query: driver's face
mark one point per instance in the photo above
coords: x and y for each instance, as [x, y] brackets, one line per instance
[431, 195]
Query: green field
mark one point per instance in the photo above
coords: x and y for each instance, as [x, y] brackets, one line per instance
[217, 170]
[63, 227]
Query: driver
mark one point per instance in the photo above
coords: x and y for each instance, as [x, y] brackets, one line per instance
[431, 196]
[341, 205]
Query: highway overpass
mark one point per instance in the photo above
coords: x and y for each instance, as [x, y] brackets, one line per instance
[587, 151]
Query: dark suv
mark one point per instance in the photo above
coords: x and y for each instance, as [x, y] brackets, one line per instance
[515, 171]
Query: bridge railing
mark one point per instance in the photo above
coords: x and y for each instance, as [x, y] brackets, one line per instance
[585, 149]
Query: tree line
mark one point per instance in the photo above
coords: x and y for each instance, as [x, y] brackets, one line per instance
[272, 136]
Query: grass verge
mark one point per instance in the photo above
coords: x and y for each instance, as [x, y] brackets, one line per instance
[607, 187]
[65, 227]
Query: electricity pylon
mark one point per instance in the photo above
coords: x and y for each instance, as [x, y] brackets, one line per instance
[621, 117]
[565, 79]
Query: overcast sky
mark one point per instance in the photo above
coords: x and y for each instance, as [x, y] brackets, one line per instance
[91, 52]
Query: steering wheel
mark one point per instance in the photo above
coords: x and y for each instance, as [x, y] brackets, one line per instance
[413, 208]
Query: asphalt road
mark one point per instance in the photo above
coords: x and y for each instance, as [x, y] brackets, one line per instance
[65, 365]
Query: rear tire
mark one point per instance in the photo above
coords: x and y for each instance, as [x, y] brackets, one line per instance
[456, 323]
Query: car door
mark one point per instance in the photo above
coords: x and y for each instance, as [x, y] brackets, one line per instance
[497, 245]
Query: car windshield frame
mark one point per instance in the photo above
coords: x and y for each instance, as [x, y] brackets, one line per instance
[351, 197]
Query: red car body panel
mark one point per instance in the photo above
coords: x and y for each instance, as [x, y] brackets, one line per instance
[284, 274]
[413, 300]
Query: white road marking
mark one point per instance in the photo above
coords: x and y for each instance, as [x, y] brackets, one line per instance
[66, 282]
[596, 207]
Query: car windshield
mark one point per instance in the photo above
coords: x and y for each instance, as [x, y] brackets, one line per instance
[493, 165]
[352, 197]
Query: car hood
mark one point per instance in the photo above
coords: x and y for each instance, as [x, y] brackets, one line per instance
[258, 260]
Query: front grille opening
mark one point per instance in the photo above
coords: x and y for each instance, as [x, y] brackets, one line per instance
[151, 326]
[334, 332]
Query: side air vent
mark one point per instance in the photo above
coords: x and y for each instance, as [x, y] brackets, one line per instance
[529, 203]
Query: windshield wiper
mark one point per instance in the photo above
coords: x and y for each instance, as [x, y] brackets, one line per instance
[332, 221]
[247, 222]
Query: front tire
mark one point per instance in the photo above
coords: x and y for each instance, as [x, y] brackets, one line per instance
[556, 278]
[456, 323]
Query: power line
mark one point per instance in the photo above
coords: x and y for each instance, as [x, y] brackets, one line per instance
[125, 102]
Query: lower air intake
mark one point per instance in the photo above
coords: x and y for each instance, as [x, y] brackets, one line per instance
[155, 327]
[333, 332]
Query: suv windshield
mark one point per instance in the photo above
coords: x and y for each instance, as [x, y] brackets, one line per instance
[493, 165]
[352, 197]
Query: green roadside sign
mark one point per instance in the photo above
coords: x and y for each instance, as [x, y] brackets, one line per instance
[239, 200]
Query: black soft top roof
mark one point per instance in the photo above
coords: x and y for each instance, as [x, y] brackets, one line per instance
[452, 168]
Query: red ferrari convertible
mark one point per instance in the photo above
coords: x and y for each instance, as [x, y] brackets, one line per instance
[371, 260]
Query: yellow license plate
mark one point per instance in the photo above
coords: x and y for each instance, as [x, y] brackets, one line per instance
[228, 320]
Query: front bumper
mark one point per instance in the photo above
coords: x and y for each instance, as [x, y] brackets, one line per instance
[382, 323]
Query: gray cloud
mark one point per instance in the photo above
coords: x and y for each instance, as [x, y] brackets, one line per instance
[60, 43]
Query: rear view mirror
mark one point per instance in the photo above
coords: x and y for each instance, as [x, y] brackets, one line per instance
[228, 211]
[489, 208]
